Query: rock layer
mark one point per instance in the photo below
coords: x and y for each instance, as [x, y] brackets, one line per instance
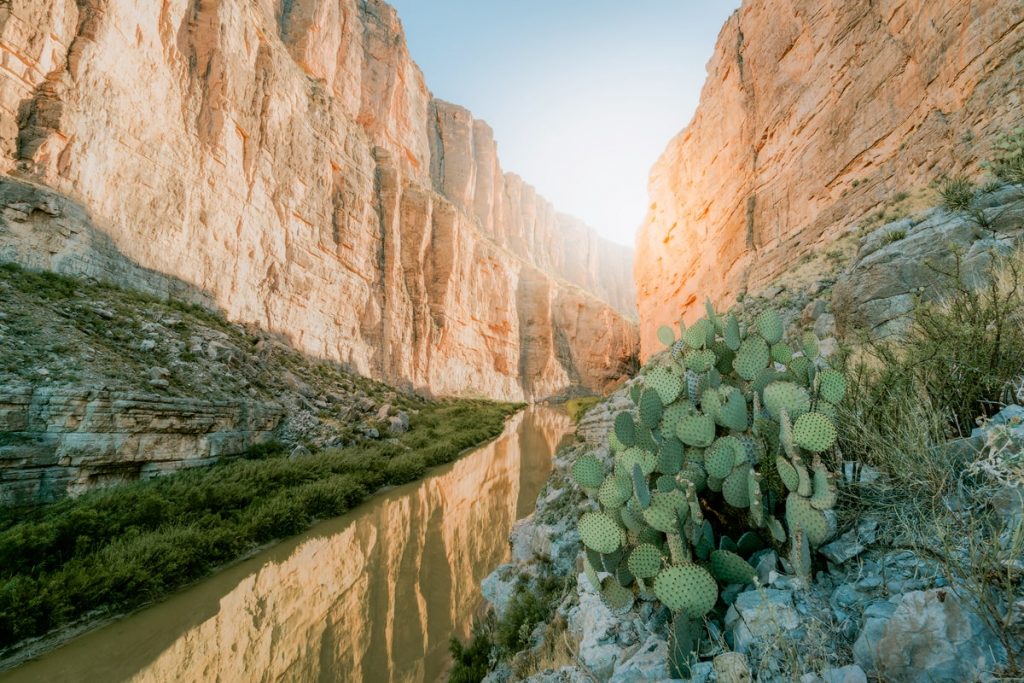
[286, 158]
[59, 441]
[813, 114]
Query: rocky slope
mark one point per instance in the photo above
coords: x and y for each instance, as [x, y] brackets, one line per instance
[814, 114]
[286, 159]
[100, 385]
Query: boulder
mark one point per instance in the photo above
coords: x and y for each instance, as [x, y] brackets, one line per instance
[927, 637]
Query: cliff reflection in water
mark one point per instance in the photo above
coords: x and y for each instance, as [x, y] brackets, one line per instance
[373, 596]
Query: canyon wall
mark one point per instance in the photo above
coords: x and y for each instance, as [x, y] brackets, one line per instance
[286, 158]
[814, 114]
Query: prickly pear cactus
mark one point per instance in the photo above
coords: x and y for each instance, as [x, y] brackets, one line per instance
[725, 437]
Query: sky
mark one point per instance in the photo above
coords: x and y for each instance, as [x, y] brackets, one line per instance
[583, 95]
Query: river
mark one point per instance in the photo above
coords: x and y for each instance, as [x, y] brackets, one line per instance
[371, 596]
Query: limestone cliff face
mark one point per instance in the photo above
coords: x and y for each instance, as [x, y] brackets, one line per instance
[286, 157]
[814, 113]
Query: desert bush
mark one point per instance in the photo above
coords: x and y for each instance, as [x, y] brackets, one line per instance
[115, 549]
[958, 193]
[578, 407]
[961, 361]
[1007, 162]
[956, 361]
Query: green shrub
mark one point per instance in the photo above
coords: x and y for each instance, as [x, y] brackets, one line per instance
[958, 193]
[114, 549]
[894, 236]
[578, 407]
[1007, 161]
[958, 357]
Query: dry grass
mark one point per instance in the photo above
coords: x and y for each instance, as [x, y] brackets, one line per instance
[960, 363]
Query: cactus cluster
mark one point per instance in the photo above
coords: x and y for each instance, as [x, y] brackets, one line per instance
[726, 437]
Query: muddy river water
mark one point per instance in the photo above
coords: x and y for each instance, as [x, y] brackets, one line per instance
[371, 596]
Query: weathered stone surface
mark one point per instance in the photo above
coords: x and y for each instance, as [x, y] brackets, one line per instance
[57, 442]
[929, 636]
[814, 114]
[878, 292]
[759, 616]
[286, 161]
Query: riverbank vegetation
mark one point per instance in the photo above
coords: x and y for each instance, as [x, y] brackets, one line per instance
[112, 550]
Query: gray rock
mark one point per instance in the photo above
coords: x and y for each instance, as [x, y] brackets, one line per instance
[566, 674]
[852, 543]
[147, 345]
[761, 615]
[846, 547]
[732, 667]
[649, 663]
[159, 383]
[825, 326]
[299, 452]
[765, 562]
[596, 629]
[159, 373]
[846, 674]
[399, 424]
[498, 587]
[928, 637]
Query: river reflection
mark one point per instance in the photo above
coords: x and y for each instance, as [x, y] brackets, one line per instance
[372, 596]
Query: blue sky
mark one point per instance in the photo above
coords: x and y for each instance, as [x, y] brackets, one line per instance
[583, 95]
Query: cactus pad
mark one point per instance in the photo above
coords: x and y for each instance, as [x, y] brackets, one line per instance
[786, 395]
[731, 333]
[769, 326]
[641, 490]
[665, 484]
[697, 336]
[696, 430]
[665, 383]
[701, 360]
[650, 408]
[614, 492]
[814, 432]
[721, 457]
[776, 529]
[735, 488]
[801, 515]
[832, 386]
[810, 346]
[588, 472]
[600, 532]
[670, 456]
[661, 515]
[752, 357]
[615, 596]
[781, 353]
[666, 335]
[787, 473]
[625, 429]
[728, 567]
[645, 561]
[687, 588]
[733, 413]
[825, 495]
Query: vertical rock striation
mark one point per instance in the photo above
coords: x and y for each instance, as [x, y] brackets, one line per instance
[286, 157]
[813, 114]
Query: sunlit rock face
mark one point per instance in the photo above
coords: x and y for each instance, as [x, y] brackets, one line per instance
[805, 98]
[286, 157]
